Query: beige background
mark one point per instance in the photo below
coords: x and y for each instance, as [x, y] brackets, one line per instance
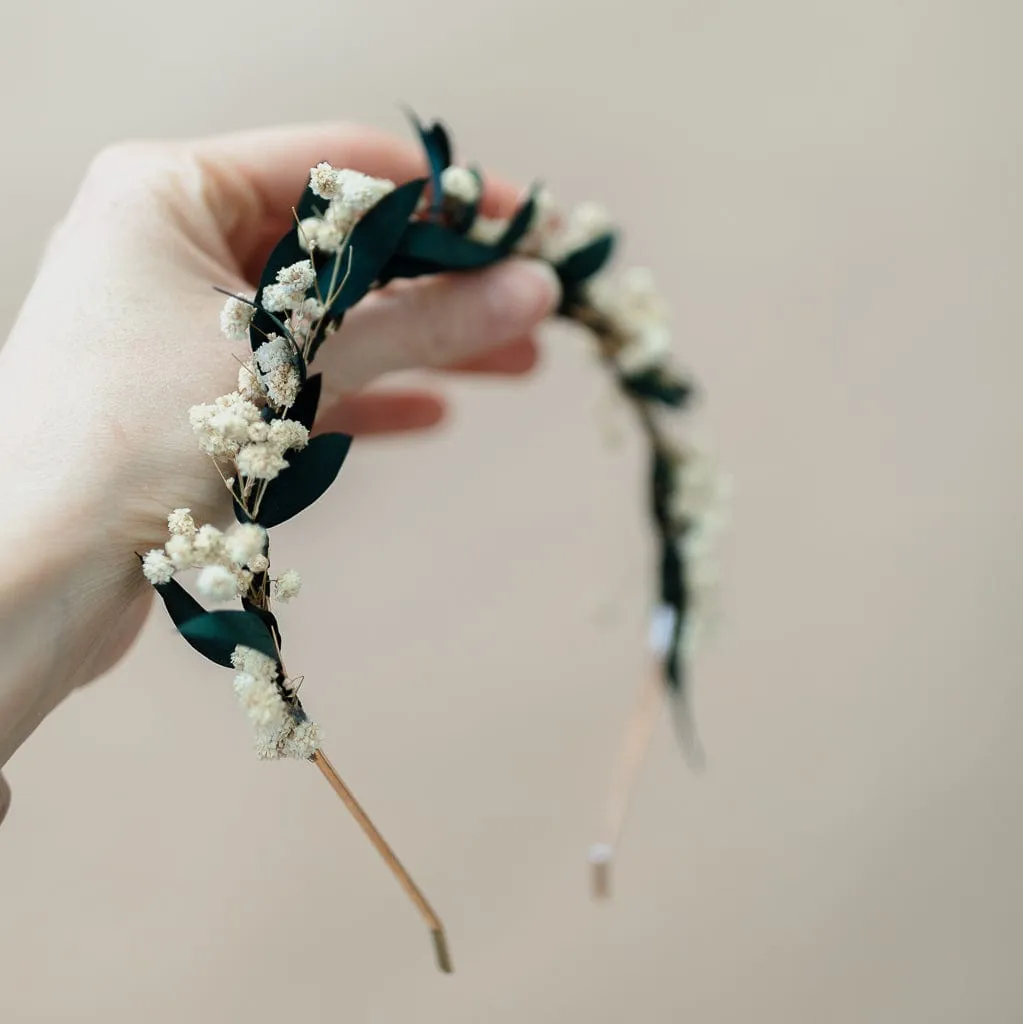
[830, 193]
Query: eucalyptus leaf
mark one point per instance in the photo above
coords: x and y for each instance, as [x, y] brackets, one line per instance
[310, 472]
[437, 143]
[373, 242]
[268, 618]
[304, 409]
[220, 632]
[518, 226]
[444, 249]
[657, 386]
[582, 264]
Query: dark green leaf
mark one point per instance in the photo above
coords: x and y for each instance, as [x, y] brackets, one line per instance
[310, 473]
[304, 409]
[220, 632]
[518, 225]
[374, 241]
[657, 386]
[438, 246]
[310, 205]
[437, 144]
[581, 265]
[269, 619]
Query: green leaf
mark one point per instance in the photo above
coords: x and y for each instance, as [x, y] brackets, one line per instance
[658, 386]
[310, 205]
[304, 409]
[220, 632]
[437, 143]
[310, 473]
[582, 264]
[373, 242]
[444, 249]
[518, 225]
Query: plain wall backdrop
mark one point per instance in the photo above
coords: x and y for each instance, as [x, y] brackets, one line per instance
[829, 194]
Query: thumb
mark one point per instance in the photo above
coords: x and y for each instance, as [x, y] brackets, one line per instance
[438, 321]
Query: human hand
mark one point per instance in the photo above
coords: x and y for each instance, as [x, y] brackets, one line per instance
[119, 337]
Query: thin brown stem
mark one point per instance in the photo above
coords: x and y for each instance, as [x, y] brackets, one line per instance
[413, 892]
[634, 750]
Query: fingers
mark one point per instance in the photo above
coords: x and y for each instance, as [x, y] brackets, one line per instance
[392, 412]
[259, 175]
[439, 322]
[518, 358]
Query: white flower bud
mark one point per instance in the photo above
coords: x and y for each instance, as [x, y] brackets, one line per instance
[157, 567]
[180, 521]
[217, 583]
[260, 462]
[235, 318]
[244, 542]
[460, 184]
[287, 586]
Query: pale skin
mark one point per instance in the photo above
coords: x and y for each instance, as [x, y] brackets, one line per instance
[119, 336]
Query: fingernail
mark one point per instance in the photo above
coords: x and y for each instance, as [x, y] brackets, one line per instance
[523, 291]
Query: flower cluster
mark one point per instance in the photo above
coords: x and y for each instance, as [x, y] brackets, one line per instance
[349, 195]
[269, 703]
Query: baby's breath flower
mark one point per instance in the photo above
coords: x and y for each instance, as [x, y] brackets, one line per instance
[245, 659]
[288, 434]
[487, 229]
[287, 586]
[157, 567]
[303, 741]
[282, 386]
[181, 550]
[274, 352]
[235, 318]
[211, 441]
[305, 317]
[259, 564]
[323, 180]
[586, 223]
[259, 431]
[649, 348]
[263, 704]
[309, 233]
[245, 542]
[277, 298]
[298, 277]
[208, 545]
[180, 521]
[249, 385]
[227, 424]
[243, 580]
[260, 462]
[217, 583]
[460, 184]
[361, 192]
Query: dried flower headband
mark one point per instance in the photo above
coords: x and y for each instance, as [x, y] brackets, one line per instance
[353, 233]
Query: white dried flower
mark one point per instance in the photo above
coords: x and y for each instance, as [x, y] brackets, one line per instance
[207, 545]
[259, 431]
[277, 298]
[309, 233]
[305, 317]
[586, 224]
[230, 426]
[298, 277]
[260, 462]
[243, 579]
[274, 352]
[217, 583]
[255, 663]
[460, 184]
[181, 550]
[181, 521]
[210, 441]
[303, 741]
[157, 567]
[487, 230]
[235, 318]
[647, 349]
[244, 542]
[249, 386]
[260, 563]
[323, 180]
[544, 226]
[263, 704]
[288, 434]
[287, 586]
[361, 192]
[239, 405]
[282, 386]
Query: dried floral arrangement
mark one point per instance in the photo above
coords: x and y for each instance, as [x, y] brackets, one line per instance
[353, 233]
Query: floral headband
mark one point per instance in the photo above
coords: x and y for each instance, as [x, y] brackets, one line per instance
[351, 234]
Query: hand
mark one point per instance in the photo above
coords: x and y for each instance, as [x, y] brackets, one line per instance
[119, 337]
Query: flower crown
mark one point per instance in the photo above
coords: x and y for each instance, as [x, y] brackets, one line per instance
[351, 234]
